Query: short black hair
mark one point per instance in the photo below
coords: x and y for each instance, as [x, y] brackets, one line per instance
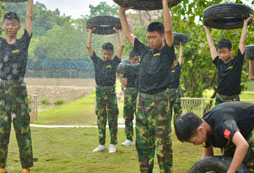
[133, 54]
[186, 126]
[156, 26]
[108, 46]
[11, 16]
[224, 43]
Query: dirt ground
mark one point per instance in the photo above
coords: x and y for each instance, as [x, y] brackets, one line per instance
[54, 89]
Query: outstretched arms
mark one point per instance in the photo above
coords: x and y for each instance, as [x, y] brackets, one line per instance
[244, 33]
[168, 23]
[125, 26]
[88, 42]
[120, 50]
[209, 38]
[29, 16]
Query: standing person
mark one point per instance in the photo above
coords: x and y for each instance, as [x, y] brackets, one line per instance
[173, 90]
[130, 99]
[105, 78]
[229, 69]
[152, 120]
[13, 97]
[251, 70]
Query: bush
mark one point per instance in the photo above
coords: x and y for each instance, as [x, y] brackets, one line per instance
[45, 102]
[59, 102]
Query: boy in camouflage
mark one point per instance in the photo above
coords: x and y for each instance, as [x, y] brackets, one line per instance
[229, 69]
[106, 102]
[13, 93]
[152, 121]
[173, 91]
[130, 99]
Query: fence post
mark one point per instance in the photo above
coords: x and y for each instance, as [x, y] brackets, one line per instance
[34, 108]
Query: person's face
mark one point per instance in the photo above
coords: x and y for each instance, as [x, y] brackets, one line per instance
[134, 60]
[200, 137]
[225, 54]
[11, 27]
[107, 55]
[155, 39]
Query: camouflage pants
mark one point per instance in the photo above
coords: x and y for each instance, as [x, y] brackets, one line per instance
[174, 96]
[249, 158]
[130, 100]
[106, 109]
[222, 98]
[153, 132]
[14, 104]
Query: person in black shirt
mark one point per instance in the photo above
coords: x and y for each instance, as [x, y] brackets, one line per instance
[173, 90]
[13, 93]
[229, 123]
[105, 77]
[130, 99]
[229, 69]
[152, 121]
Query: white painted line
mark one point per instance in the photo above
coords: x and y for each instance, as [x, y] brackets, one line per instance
[70, 126]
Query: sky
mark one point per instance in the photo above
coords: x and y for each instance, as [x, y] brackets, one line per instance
[74, 8]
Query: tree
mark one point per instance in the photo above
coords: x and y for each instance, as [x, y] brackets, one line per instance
[2, 12]
[103, 9]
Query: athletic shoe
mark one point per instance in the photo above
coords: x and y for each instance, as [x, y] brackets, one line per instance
[25, 171]
[127, 143]
[112, 148]
[3, 170]
[99, 148]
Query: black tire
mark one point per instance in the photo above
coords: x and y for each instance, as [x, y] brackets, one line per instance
[226, 16]
[127, 69]
[13, 1]
[145, 4]
[180, 38]
[215, 164]
[103, 24]
[249, 52]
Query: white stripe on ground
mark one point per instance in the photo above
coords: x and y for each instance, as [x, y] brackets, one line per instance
[70, 126]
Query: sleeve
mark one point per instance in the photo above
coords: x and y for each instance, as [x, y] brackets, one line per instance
[139, 47]
[228, 129]
[116, 60]
[94, 58]
[240, 57]
[26, 39]
[216, 61]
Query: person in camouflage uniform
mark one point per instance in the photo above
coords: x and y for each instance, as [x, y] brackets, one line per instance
[152, 120]
[130, 99]
[106, 102]
[173, 90]
[13, 92]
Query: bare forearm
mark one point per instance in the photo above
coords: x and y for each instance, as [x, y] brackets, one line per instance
[88, 43]
[180, 54]
[243, 38]
[251, 70]
[210, 41]
[29, 16]
[168, 23]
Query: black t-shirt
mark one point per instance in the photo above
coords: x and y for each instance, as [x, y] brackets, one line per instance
[175, 76]
[105, 71]
[226, 119]
[153, 76]
[229, 75]
[131, 80]
[13, 58]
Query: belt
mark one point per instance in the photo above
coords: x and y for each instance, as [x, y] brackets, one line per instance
[10, 82]
[106, 87]
[225, 97]
[153, 96]
[131, 88]
[172, 89]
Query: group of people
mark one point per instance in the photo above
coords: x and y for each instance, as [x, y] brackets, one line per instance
[151, 94]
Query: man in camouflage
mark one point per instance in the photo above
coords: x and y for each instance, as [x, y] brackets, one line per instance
[106, 102]
[13, 93]
[130, 99]
[152, 121]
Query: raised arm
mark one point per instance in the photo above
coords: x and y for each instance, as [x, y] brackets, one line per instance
[120, 50]
[240, 152]
[180, 53]
[123, 81]
[209, 38]
[88, 42]
[244, 33]
[251, 70]
[125, 26]
[29, 16]
[168, 24]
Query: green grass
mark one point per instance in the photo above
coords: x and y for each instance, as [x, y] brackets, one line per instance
[69, 150]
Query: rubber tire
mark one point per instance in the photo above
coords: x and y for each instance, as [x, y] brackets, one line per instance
[226, 15]
[216, 164]
[103, 24]
[180, 38]
[13, 1]
[127, 69]
[249, 52]
[145, 4]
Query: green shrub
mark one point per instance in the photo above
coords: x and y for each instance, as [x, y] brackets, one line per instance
[59, 102]
[45, 102]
